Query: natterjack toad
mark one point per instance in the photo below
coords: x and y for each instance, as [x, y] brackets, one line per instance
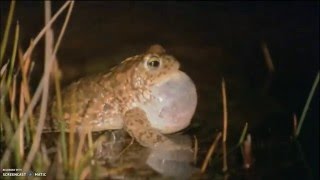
[147, 95]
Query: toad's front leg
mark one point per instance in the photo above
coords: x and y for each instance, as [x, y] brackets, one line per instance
[138, 126]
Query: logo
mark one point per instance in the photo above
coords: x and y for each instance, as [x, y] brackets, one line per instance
[30, 173]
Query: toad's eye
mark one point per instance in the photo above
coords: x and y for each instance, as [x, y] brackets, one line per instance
[153, 62]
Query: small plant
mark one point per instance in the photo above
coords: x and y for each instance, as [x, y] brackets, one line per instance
[21, 129]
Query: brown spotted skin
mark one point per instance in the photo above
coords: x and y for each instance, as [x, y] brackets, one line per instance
[111, 100]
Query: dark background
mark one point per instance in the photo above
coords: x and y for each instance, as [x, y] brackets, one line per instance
[211, 40]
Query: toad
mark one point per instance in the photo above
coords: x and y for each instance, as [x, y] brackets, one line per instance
[147, 95]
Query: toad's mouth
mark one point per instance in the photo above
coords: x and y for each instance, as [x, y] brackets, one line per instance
[175, 103]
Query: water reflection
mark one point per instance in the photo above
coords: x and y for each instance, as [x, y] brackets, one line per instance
[116, 149]
[174, 162]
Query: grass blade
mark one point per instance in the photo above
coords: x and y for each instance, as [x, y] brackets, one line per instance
[7, 30]
[306, 107]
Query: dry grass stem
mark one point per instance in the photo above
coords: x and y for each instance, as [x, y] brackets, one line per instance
[45, 95]
[295, 122]
[224, 153]
[225, 111]
[84, 174]
[13, 56]
[79, 149]
[49, 33]
[225, 125]
[210, 153]
[270, 66]
[247, 152]
[26, 70]
[39, 89]
[196, 150]
[44, 154]
[6, 31]
[72, 127]
[267, 57]
[46, 27]
[25, 97]
[3, 71]
[243, 134]
[12, 96]
[306, 106]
